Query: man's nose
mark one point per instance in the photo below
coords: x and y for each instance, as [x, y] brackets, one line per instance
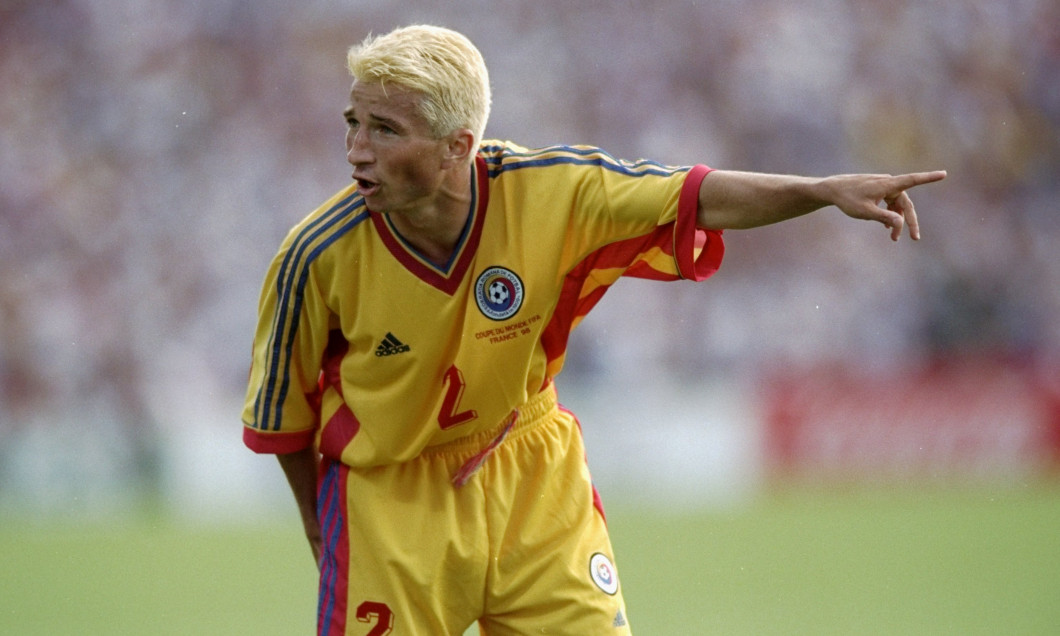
[357, 150]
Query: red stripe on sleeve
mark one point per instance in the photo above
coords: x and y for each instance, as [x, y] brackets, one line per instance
[277, 443]
[698, 252]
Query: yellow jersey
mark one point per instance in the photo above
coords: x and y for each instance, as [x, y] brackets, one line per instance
[373, 353]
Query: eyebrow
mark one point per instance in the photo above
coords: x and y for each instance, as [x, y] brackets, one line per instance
[386, 121]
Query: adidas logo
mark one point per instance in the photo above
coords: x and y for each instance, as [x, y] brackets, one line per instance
[390, 346]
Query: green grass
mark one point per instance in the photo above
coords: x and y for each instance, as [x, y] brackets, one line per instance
[858, 563]
[148, 577]
[824, 562]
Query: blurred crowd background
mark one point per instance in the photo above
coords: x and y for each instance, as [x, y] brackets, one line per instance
[154, 154]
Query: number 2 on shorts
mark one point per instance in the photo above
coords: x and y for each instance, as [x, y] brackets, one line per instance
[369, 611]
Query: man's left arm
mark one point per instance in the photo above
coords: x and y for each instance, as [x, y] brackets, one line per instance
[301, 468]
[742, 200]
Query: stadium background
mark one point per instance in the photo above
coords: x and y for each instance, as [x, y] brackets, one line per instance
[154, 154]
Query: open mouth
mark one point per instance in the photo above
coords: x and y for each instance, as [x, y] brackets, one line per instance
[366, 187]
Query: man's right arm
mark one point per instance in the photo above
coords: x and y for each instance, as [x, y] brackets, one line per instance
[300, 467]
[741, 200]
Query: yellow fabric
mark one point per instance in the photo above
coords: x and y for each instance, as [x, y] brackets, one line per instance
[421, 363]
[524, 529]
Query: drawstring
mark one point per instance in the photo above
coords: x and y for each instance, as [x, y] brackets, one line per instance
[469, 468]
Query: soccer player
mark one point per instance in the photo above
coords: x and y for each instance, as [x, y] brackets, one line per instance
[412, 328]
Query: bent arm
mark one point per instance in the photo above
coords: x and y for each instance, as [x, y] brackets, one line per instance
[742, 200]
[300, 468]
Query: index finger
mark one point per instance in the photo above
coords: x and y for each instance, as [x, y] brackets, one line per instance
[906, 181]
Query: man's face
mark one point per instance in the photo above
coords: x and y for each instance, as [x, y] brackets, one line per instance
[397, 161]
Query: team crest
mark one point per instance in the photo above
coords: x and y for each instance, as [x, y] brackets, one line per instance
[499, 293]
[603, 573]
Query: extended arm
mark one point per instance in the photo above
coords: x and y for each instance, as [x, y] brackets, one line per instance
[301, 470]
[741, 200]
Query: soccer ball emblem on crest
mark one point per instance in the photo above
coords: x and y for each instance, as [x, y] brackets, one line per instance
[498, 293]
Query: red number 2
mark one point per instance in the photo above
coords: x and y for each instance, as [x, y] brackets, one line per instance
[448, 417]
[369, 611]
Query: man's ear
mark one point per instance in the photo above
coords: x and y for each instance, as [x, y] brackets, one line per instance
[460, 146]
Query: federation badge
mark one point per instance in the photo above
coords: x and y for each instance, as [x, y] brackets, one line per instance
[603, 573]
[498, 293]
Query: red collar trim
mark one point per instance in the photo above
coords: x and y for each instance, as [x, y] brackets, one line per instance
[445, 278]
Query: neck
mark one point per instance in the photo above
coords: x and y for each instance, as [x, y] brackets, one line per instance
[434, 229]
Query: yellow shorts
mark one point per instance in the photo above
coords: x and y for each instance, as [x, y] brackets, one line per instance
[522, 547]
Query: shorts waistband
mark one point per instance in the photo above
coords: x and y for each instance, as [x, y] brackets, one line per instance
[529, 415]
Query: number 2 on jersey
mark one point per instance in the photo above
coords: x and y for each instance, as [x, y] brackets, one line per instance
[449, 416]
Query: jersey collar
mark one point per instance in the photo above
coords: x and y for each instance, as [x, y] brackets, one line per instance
[446, 278]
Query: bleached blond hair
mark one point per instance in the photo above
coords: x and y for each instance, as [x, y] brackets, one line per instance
[441, 64]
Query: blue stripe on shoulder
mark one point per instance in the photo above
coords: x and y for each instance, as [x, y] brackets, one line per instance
[572, 155]
[290, 286]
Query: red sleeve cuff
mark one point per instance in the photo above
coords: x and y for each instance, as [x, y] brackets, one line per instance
[277, 443]
[698, 252]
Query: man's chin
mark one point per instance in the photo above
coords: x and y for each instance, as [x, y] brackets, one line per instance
[372, 199]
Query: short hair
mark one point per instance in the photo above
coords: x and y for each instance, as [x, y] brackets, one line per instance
[441, 64]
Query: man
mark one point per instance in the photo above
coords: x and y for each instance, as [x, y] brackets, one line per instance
[411, 329]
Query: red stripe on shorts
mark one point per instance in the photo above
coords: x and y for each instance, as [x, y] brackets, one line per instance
[335, 560]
